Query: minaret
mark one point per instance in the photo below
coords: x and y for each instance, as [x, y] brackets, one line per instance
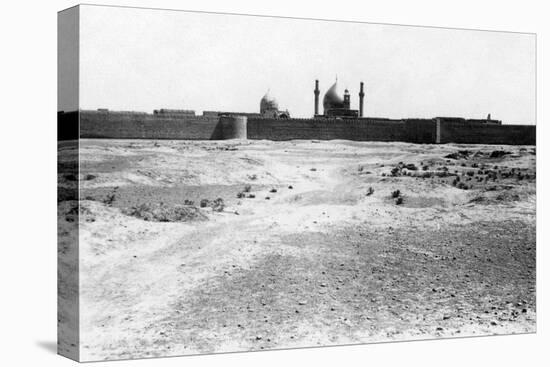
[346, 100]
[316, 91]
[361, 97]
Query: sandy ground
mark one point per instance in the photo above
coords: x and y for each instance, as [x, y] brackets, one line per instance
[332, 257]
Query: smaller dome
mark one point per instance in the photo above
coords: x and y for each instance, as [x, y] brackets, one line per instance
[268, 103]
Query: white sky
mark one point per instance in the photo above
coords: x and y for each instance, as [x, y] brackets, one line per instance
[137, 59]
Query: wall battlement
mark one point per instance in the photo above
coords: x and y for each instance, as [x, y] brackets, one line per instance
[178, 125]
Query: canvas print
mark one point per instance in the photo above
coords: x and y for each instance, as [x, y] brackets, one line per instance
[234, 183]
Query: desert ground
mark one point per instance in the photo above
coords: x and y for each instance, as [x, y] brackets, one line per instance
[193, 247]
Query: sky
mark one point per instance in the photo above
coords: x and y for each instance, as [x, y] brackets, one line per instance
[141, 60]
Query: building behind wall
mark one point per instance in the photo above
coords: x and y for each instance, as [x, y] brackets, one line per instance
[336, 106]
[338, 121]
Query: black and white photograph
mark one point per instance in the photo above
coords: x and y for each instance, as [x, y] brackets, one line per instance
[235, 183]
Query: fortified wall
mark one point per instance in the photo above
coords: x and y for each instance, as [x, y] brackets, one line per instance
[358, 129]
[136, 125]
[220, 125]
[473, 132]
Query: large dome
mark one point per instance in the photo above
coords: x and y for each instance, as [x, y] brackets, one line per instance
[332, 99]
[268, 103]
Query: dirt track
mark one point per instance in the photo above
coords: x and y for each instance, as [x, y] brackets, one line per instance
[322, 261]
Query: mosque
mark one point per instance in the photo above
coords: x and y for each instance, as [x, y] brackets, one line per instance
[269, 108]
[334, 105]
